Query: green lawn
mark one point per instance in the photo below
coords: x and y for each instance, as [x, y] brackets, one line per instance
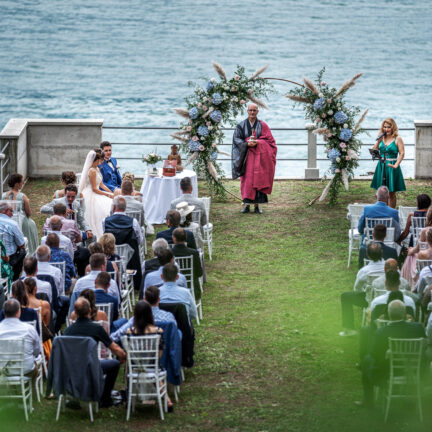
[268, 354]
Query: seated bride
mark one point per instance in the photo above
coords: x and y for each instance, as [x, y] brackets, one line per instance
[97, 197]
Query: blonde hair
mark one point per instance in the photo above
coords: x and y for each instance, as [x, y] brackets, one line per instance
[428, 222]
[429, 236]
[108, 243]
[393, 125]
[129, 176]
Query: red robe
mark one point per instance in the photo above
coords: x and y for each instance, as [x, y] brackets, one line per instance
[260, 165]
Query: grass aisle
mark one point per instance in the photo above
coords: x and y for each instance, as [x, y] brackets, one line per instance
[268, 354]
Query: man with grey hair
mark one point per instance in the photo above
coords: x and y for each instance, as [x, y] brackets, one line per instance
[43, 255]
[55, 224]
[13, 239]
[380, 210]
[12, 328]
[375, 366]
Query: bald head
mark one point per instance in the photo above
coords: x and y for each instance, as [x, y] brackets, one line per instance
[396, 310]
[252, 112]
[390, 264]
[55, 223]
[43, 253]
[374, 251]
[382, 194]
[82, 307]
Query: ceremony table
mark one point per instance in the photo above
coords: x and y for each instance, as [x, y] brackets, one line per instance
[159, 191]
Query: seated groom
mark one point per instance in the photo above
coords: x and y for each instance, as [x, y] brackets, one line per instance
[380, 210]
[109, 169]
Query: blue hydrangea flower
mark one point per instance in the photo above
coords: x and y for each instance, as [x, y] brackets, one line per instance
[340, 117]
[216, 116]
[345, 134]
[217, 99]
[209, 86]
[203, 131]
[213, 156]
[319, 104]
[194, 145]
[193, 113]
[333, 154]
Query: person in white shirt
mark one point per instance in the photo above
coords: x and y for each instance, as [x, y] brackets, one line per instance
[31, 270]
[12, 328]
[392, 284]
[43, 255]
[65, 242]
[358, 296]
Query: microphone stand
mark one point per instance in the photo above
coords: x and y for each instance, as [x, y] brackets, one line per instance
[377, 155]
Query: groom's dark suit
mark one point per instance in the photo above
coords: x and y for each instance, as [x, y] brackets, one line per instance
[111, 177]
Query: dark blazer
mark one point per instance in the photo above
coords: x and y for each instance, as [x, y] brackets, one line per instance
[388, 252]
[180, 250]
[167, 235]
[111, 178]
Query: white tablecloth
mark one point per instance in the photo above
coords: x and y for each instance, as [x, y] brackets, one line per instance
[158, 192]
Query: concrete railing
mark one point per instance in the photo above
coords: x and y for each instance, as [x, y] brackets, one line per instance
[46, 147]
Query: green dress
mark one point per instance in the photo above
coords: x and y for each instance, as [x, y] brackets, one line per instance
[394, 177]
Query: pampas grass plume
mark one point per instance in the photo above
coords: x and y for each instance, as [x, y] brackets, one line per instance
[311, 86]
[348, 84]
[190, 159]
[258, 102]
[182, 112]
[258, 72]
[357, 126]
[219, 70]
[296, 98]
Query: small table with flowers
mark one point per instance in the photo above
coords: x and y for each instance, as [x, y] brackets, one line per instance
[159, 191]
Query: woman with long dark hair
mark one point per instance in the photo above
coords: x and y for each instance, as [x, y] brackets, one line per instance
[390, 146]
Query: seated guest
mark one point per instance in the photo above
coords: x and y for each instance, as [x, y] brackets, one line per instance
[96, 247]
[111, 177]
[390, 264]
[102, 283]
[188, 224]
[155, 278]
[170, 292]
[380, 210]
[108, 243]
[424, 278]
[97, 265]
[67, 178]
[83, 326]
[19, 293]
[173, 219]
[95, 313]
[12, 328]
[144, 324]
[395, 295]
[74, 210]
[358, 296]
[28, 226]
[35, 303]
[13, 239]
[181, 250]
[375, 365]
[131, 203]
[128, 176]
[152, 297]
[126, 230]
[55, 226]
[379, 234]
[378, 304]
[70, 229]
[152, 264]
[43, 287]
[186, 188]
[43, 256]
[423, 203]
[59, 255]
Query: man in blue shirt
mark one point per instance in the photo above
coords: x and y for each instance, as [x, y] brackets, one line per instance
[58, 255]
[155, 278]
[13, 239]
[380, 210]
[170, 292]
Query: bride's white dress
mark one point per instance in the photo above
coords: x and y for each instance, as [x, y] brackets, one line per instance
[97, 207]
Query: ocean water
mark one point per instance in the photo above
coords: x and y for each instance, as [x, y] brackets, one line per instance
[129, 62]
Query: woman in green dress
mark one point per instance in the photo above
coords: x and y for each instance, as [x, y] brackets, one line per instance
[392, 147]
[27, 225]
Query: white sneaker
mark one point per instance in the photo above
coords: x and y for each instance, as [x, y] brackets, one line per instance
[348, 332]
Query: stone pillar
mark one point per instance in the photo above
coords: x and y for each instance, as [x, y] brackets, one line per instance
[423, 149]
[311, 172]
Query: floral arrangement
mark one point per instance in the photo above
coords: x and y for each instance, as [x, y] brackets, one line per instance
[335, 121]
[220, 100]
[151, 158]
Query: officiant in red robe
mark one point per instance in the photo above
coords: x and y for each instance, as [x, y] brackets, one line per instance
[253, 160]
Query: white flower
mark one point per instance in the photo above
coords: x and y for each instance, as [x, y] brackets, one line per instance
[330, 112]
[320, 95]
[213, 80]
[209, 127]
[235, 99]
[338, 160]
[226, 87]
[345, 126]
